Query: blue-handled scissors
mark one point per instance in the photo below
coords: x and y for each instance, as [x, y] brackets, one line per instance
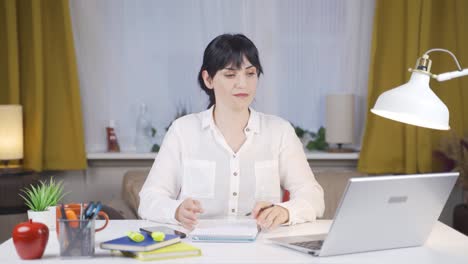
[92, 210]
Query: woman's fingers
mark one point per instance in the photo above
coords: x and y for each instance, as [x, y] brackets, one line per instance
[264, 218]
[272, 217]
[198, 207]
[187, 211]
[188, 219]
[278, 221]
[189, 214]
[258, 206]
[193, 205]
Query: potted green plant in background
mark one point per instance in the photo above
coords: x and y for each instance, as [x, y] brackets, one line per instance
[312, 141]
[181, 110]
[42, 200]
[156, 146]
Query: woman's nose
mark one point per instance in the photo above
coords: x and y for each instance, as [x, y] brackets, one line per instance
[241, 81]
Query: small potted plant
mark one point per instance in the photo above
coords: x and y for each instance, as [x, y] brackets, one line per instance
[180, 112]
[156, 146]
[312, 141]
[42, 200]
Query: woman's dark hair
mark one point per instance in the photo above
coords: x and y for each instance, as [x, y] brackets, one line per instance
[224, 50]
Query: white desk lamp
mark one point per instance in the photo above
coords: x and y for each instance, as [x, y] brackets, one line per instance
[414, 102]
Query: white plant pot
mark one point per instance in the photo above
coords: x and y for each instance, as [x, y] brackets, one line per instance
[45, 217]
[53, 212]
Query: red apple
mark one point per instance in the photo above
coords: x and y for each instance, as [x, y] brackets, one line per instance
[30, 239]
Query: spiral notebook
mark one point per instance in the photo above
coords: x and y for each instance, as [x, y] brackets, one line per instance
[225, 230]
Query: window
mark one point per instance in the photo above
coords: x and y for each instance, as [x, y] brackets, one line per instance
[132, 52]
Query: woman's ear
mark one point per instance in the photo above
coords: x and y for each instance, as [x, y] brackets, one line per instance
[207, 79]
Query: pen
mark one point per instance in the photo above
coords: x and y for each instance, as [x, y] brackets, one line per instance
[261, 209]
[83, 242]
[88, 210]
[81, 213]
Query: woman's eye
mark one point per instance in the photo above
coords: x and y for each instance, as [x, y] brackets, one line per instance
[251, 73]
[230, 75]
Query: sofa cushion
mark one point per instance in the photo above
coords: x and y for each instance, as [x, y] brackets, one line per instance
[122, 209]
[132, 183]
[333, 182]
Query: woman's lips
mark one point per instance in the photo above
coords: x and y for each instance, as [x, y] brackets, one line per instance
[241, 95]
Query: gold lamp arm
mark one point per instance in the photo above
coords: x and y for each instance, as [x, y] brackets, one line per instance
[423, 65]
[447, 51]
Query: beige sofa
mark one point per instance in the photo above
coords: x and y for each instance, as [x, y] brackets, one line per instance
[333, 181]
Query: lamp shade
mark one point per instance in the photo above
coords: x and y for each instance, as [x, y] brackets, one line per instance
[11, 132]
[414, 103]
[340, 119]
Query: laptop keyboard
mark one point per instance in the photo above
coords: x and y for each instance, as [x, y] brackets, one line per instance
[314, 245]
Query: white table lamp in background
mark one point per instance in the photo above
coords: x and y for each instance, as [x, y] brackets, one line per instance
[340, 121]
[11, 133]
[414, 102]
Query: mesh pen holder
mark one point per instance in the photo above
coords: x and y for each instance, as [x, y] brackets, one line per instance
[76, 238]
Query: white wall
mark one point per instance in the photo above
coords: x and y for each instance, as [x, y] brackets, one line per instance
[150, 51]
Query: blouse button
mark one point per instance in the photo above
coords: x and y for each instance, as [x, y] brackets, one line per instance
[234, 194]
[247, 130]
[233, 210]
[235, 174]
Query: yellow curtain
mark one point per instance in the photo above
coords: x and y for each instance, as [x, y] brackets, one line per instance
[403, 31]
[38, 70]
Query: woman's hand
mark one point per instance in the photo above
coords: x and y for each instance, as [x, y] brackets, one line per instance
[271, 217]
[187, 212]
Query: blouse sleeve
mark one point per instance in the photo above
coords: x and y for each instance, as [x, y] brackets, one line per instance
[306, 195]
[162, 186]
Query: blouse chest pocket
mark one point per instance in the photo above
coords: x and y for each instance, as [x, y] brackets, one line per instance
[267, 180]
[199, 179]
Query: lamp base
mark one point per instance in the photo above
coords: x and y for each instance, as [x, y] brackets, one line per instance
[339, 149]
[12, 170]
[8, 169]
[11, 183]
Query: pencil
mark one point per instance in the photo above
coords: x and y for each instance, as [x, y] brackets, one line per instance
[261, 209]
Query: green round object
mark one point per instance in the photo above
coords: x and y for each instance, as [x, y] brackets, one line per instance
[158, 236]
[136, 236]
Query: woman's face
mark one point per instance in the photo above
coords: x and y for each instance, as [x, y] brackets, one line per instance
[234, 88]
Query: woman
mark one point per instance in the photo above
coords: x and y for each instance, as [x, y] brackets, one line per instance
[230, 160]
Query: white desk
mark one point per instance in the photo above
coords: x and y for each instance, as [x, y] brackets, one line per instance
[445, 245]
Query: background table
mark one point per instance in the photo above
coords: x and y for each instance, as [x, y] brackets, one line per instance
[444, 245]
[12, 207]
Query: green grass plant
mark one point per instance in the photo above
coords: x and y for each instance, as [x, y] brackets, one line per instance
[39, 197]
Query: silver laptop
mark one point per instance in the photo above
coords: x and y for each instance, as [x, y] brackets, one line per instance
[382, 212]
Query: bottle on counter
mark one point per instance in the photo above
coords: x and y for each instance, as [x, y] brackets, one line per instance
[143, 140]
[112, 142]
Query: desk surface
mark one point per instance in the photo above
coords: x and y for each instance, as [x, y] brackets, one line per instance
[444, 245]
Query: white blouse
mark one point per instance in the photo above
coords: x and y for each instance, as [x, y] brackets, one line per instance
[195, 161]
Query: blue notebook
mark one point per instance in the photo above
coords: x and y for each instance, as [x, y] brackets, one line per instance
[126, 244]
[225, 230]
